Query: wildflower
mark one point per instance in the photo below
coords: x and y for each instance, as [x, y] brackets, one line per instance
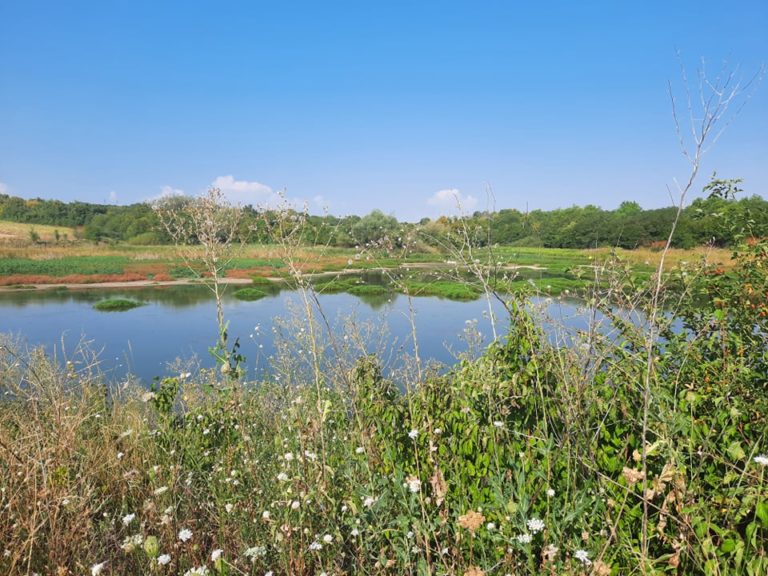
[216, 554]
[185, 534]
[535, 525]
[163, 559]
[120, 455]
[369, 501]
[295, 505]
[583, 557]
[283, 477]
[160, 491]
[265, 515]
[229, 508]
[491, 526]
[550, 492]
[197, 570]
[438, 431]
[355, 532]
[268, 573]
[762, 459]
[315, 546]
[288, 456]
[359, 450]
[132, 542]
[327, 538]
[498, 423]
[414, 484]
[413, 434]
[524, 538]
[96, 569]
[128, 518]
[254, 552]
[471, 520]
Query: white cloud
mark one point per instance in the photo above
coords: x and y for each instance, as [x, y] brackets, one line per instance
[112, 197]
[242, 191]
[4, 188]
[168, 192]
[450, 201]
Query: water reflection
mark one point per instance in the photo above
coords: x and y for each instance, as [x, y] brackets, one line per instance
[178, 322]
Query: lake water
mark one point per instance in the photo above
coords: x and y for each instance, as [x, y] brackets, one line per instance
[180, 322]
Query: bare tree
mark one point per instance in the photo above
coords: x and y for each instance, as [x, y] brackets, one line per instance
[207, 235]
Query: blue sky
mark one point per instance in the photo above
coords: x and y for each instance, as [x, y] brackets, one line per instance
[361, 105]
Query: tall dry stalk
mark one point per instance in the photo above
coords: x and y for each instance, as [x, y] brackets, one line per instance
[206, 231]
[719, 101]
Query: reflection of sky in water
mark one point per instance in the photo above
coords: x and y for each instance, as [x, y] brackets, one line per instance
[181, 323]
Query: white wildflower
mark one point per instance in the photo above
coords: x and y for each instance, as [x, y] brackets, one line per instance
[160, 491]
[524, 538]
[355, 532]
[130, 543]
[185, 534]
[96, 569]
[265, 515]
[327, 538]
[216, 554]
[163, 559]
[762, 459]
[413, 434]
[359, 450]
[128, 518]
[197, 571]
[315, 546]
[295, 505]
[491, 526]
[229, 508]
[535, 525]
[283, 477]
[288, 456]
[583, 557]
[369, 501]
[414, 484]
[498, 423]
[550, 492]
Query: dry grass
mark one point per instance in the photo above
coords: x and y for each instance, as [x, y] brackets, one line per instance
[674, 258]
[16, 232]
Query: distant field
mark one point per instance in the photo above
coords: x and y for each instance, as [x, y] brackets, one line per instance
[23, 262]
[16, 231]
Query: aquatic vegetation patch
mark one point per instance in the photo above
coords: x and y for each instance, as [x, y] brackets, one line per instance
[117, 305]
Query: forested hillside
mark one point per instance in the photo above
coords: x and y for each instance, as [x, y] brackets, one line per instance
[704, 221]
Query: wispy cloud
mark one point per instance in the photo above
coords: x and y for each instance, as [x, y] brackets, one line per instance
[450, 201]
[112, 197]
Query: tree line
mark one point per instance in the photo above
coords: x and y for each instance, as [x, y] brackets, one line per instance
[706, 220]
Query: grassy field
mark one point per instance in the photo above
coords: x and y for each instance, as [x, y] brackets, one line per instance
[18, 233]
[546, 269]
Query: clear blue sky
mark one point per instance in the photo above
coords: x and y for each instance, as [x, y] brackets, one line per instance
[360, 105]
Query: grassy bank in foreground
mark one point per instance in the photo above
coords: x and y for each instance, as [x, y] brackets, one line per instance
[527, 459]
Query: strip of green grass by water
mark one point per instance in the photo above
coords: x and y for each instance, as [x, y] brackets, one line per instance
[116, 305]
[64, 266]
